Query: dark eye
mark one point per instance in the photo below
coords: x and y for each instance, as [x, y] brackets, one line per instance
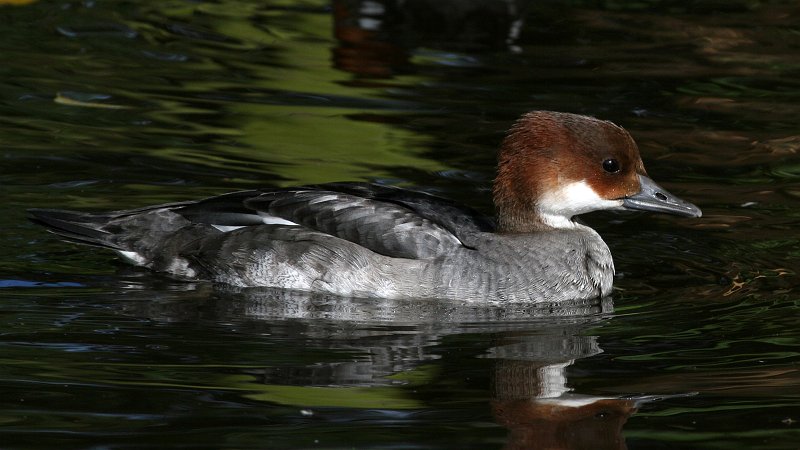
[611, 165]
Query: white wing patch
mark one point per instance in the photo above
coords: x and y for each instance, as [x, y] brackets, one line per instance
[227, 228]
[265, 219]
[132, 257]
[272, 220]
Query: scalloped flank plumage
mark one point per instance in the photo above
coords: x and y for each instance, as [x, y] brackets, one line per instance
[368, 240]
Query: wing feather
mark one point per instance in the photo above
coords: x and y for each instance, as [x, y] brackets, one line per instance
[382, 227]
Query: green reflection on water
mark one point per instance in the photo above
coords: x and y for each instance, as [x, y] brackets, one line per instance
[342, 397]
[273, 111]
[314, 145]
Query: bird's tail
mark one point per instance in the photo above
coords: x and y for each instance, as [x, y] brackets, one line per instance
[75, 226]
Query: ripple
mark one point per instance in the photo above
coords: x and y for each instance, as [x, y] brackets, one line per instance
[33, 284]
[97, 30]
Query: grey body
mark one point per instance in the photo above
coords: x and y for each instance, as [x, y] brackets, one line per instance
[547, 266]
[350, 240]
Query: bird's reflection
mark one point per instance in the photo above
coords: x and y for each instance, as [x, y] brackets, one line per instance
[531, 397]
[532, 348]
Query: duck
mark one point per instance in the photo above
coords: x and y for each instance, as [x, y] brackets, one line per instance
[359, 239]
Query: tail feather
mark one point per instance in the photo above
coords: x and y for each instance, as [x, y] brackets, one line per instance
[75, 226]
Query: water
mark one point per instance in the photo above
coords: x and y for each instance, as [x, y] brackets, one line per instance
[111, 105]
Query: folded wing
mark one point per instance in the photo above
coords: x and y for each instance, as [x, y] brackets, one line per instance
[387, 220]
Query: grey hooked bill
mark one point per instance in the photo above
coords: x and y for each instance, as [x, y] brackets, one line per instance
[653, 197]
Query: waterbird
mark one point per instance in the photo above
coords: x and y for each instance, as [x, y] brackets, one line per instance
[369, 240]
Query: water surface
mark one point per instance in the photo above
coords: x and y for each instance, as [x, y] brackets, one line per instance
[112, 105]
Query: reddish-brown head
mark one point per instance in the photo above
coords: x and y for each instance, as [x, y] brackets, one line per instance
[553, 166]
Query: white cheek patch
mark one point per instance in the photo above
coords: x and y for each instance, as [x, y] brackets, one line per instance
[573, 402]
[557, 207]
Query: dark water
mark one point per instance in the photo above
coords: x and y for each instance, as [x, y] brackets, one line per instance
[109, 105]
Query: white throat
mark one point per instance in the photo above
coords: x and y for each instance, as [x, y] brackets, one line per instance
[557, 207]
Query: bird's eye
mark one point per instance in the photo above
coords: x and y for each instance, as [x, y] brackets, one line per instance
[611, 165]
